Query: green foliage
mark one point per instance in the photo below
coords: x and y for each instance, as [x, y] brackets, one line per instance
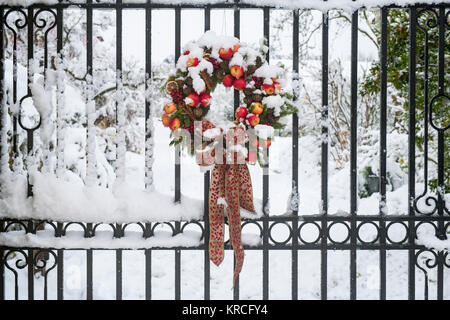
[398, 47]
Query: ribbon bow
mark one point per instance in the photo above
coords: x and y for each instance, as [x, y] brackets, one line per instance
[230, 189]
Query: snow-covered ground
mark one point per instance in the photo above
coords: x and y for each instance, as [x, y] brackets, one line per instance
[251, 276]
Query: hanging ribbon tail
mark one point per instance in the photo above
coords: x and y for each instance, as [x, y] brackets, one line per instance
[246, 189]
[232, 184]
[216, 214]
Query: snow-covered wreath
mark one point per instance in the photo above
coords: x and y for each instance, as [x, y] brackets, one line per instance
[204, 64]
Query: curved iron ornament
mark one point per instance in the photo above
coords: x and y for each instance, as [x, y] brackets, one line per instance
[428, 263]
[335, 223]
[404, 239]
[11, 223]
[20, 23]
[40, 225]
[155, 225]
[446, 259]
[41, 23]
[19, 264]
[83, 226]
[319, 233]
[358, 230]
[432, 203]
[40, 261]
[253, 223]
[275, 242]
[139, 224]
[197, 223]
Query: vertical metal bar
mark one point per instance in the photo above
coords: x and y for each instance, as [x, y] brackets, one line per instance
[441, 185]
[383, 149]
[30, 263]
[441, 56]
[412, 151]
[266, 183]
[120, 162]
[30, 47]
[177, 148]
[177, 164]
[30, 56]
[237, 34]
[89, 288]
[89, 49]
[206, 181]
[295, 69]
[119, 274]
[2, 113]
[59, 226]
[59, 118]
[148, 274]
[14, 89]
[148, 138]
[353, 151]
[324, 159]
[60, 274]
[148, 264]
[148, 116]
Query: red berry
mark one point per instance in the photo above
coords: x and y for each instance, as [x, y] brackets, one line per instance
[177, 96]
[205, 99]
[192, 62]
[228, 81]
[195, 100]
[241, 112]
[258, 82]
[239, 84]
[214, 62]
[253, 119]
[226, 54]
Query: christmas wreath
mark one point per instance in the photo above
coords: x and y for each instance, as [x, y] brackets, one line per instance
[213, 60]
[205, 63]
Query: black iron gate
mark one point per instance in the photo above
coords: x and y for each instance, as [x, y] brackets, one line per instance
[438, 217]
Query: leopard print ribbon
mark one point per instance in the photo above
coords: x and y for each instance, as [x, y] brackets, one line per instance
[230, 189]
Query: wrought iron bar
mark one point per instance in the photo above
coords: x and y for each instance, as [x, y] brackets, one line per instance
[441, 233]
[266, 204]
[120, 130]
[177, 164]
[148, 137]
[237, 34]
[353, 149]
[324, 158]
[206, 182]
[383, 147]
[294, 192]
[30, 47]
[89, 56]
[60, 252]
[412, 151]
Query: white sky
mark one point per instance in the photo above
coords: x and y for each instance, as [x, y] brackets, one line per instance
[163, 32]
